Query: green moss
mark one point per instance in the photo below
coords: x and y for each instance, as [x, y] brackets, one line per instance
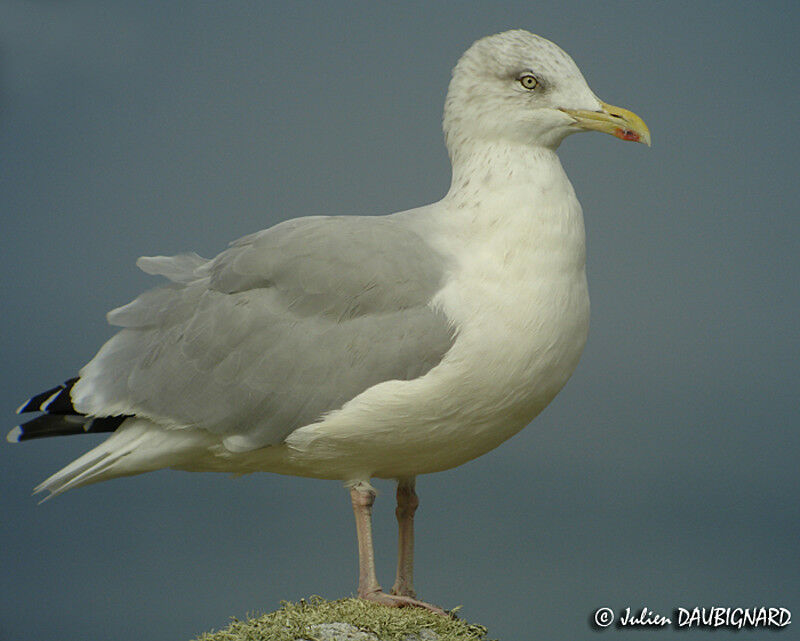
[293, 621]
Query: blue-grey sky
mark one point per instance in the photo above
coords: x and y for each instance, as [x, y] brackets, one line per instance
[665, 474]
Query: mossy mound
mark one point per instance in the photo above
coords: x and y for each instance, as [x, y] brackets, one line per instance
[309, 619]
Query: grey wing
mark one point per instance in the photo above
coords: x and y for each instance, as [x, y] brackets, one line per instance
[279, 329]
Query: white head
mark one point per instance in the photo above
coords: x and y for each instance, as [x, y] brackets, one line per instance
[519, 87]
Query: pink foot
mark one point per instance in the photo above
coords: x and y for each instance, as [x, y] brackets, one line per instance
[397, 601]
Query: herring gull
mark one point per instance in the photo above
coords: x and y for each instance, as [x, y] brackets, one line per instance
[349, 347]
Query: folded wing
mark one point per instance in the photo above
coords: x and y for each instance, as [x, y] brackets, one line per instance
[284, 326]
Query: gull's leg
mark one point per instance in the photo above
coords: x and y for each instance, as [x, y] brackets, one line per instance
[362, 496]
[407, 503]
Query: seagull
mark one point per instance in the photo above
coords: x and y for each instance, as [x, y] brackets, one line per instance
[360, 347]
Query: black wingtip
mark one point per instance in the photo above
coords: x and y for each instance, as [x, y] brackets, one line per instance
[57, 400]
[48, 425]
[60, 417]
[34, 403]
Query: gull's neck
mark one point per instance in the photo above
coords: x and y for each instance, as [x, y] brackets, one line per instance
[503, 168]
[506, 197]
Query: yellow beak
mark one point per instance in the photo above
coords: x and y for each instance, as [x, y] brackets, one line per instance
[616, 121]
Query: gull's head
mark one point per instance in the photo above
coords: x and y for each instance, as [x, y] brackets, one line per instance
[520, 87]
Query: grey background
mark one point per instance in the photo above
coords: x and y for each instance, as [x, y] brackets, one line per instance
[666, 472]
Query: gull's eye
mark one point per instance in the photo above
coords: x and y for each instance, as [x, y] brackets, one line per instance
[529, 81]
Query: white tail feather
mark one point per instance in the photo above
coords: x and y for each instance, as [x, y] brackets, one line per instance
[137, 446]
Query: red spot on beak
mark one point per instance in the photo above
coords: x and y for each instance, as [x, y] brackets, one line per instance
[626, 134]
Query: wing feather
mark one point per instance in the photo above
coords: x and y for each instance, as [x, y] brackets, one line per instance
[279, 329]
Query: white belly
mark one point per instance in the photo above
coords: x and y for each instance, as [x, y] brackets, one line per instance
[521, 306]
[490, 385]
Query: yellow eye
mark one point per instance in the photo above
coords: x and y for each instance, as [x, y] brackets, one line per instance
[528, 81]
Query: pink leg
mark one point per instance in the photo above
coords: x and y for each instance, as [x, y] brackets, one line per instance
[363, 496]
[407, 503]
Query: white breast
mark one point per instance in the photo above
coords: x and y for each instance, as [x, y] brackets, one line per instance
[519, 300]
